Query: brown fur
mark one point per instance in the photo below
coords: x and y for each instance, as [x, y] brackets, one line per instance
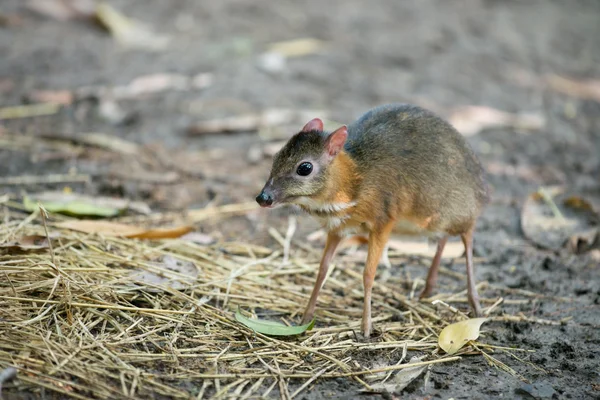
[401, 169]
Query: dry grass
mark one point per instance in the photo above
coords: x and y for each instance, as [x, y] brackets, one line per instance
[75, 321]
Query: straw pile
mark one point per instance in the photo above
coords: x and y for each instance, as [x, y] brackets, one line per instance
[108, 318]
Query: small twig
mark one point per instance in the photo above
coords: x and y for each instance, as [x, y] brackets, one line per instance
[491, 308]
[497, 363]
[44, 215]
[288, 239]
[106, 306]
[548, 199]
[453, 309]
[311, 380]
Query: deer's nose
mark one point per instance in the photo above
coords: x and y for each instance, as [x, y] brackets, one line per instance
[264, 199]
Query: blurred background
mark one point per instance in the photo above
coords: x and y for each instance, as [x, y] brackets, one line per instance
[181, 104]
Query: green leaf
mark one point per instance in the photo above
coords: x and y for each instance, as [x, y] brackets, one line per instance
[272, 328]
[72, 206]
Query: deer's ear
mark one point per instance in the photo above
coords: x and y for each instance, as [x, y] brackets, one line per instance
[313, 125]
[335, 141]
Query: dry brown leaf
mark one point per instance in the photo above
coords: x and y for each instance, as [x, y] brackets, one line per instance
[107, 228]
[470, 120]
[403, 378]
[163, 233]
[26, 243]
[553, 220]
[168, 263]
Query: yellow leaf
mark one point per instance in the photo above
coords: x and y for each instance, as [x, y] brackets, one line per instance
[455, 336]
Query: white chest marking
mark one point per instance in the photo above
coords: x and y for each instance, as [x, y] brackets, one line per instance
[323, 207]
[330, 223]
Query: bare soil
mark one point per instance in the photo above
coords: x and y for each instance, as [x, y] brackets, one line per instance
[439, 54]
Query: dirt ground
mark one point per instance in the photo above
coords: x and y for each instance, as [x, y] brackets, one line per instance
[439, 54]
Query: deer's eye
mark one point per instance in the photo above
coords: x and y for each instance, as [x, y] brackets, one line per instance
[304, 169]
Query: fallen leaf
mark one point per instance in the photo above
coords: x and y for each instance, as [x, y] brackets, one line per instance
[402, 379]
[107, 228]
[557, 218]
[297, 47]
[128, 32]
[272, 328]
[167, 264]
[81, 205]
[26, 243]
[163, 233]
[70, 205]
[454, 336]
[470, 120]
